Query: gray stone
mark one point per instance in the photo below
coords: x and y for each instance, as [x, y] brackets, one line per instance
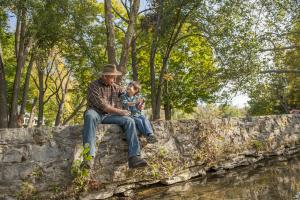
[13, 155]
[129, 193]
[102, 194]
[184, 175]
[44, 153]
[186, 149]
[10, 172]
[8, 198]
[123, 188]
[176, 179]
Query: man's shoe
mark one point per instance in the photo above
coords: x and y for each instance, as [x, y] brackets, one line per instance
[136, 161]
[151, 139]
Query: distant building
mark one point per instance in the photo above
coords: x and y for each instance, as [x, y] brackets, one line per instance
[26, 118]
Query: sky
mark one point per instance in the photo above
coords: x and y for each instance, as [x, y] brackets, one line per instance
[240, 100]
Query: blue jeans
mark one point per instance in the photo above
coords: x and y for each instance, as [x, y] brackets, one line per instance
[143, 125]
[92, 118]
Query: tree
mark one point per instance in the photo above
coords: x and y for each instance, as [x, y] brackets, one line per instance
[231, 30]
[169, 18]
[190, 79]
[132, 11]
[41, 26]
[3, 98]
[23, 44]
[3, 90]
[278, 92]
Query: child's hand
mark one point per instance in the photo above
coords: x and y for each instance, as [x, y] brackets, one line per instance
[141, 106]
[140, 100]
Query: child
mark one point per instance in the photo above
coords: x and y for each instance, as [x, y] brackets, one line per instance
[134, 103]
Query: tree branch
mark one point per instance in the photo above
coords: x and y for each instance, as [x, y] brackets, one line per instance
[56, 90]
[81, 105]
[281, 48]
[281, 71]
[48, 72]
[123, 18]
[125, 6]
[142, 11]
[35, 81]
[119, 27]
[189, 35]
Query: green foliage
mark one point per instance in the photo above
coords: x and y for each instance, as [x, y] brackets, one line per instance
[163, 165]
[211, 111]
[68, 28]
[188, 73]
[278, 93]
[81, 174]
[219, 45]
[258, 145]
[27, 191]
[37, 173]
[264, 100]
[190, 63]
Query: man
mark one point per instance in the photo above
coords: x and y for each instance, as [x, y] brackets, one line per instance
[104, 106]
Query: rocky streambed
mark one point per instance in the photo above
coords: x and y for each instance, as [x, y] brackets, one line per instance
[275, 178]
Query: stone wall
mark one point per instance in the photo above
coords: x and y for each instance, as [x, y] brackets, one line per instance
[36, 162]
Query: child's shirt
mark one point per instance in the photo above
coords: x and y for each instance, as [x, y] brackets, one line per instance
[133, 109]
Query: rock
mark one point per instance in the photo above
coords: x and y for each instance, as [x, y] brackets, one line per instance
[12, 156]
[184, 175]
[123, 188]
[10, 172]
[176, 179]
[129, 193]
[102, 194]
[44, 153]
[44, 157]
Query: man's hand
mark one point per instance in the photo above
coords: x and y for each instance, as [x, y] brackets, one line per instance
[131, 103]
[124, 112]
[112, 110]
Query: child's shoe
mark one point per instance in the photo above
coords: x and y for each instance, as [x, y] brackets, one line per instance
[151, 139]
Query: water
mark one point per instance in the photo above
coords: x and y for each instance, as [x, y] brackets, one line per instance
[268, 180]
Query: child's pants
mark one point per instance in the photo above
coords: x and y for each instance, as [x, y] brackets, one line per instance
[143, 125]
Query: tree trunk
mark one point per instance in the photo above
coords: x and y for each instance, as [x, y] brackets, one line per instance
[135, 76]
[3, 93]
[167, 105]
[81, 105]
[155, 112]
[110, 32]
[32, 113]
[41, 95]
[62, 101]
[168, 111]
[160, 84]
[170, 45]
[26, 86]
[60, 111]
[128, 36]
[21, 53]
[17, 34]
